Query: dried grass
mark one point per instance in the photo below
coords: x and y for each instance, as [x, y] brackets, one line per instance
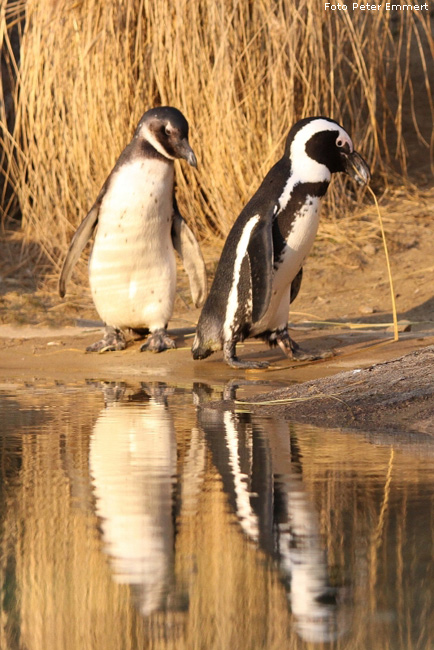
[241, 72]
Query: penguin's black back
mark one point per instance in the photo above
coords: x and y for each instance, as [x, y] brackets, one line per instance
[267, 194]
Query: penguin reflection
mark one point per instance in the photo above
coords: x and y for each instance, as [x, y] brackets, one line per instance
[133, 465]
[260, 468]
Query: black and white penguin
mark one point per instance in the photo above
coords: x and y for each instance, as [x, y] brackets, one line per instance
[259, 271]
[132, 269]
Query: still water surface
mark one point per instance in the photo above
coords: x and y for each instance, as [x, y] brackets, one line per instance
[138, 517]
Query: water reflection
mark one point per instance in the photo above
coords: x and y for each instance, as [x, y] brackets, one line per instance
[133, 467]
[138, 517]
[261, 468]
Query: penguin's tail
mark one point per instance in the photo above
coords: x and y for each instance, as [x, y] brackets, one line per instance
[206, 341]
[200, 353]
[200, 350]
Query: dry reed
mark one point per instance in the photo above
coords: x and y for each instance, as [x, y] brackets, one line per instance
[241, 72]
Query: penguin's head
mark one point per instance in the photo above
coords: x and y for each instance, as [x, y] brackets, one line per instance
[166, 130]
[318, 147]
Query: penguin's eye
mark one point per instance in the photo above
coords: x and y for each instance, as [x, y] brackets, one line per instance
[344, 144]
[168, 129]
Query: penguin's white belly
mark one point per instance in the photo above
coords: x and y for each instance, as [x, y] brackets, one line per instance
[298, 245]
[132, 269]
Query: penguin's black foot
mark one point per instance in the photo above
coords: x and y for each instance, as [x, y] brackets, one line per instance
[112, 341]
[292, 350]
[234, 362]
[158, 341]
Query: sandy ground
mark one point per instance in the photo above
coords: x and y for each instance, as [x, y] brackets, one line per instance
[344, 305]
[34, 354]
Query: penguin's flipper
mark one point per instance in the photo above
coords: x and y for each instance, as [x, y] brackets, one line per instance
[78, 242]
[187, 247]
[260, 252]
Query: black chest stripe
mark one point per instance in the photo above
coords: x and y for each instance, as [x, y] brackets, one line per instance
[284, 220]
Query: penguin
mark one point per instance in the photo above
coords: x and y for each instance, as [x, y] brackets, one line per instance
[132, 267]
[259, 272]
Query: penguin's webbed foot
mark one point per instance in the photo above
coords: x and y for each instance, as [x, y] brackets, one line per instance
[158, 341]
[292, 350]
[112, 341]
[234, 362]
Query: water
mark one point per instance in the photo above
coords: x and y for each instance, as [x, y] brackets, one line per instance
[139, 517]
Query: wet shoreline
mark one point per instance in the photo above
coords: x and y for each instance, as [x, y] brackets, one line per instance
[370, 383]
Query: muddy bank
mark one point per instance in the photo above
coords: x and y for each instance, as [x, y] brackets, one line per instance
[370, 383]
[396, 395]
[35, 354]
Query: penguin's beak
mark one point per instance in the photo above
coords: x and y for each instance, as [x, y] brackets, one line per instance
[185, 151]
[356, 167]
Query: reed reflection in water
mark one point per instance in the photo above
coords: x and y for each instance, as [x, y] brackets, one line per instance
[138, 517]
